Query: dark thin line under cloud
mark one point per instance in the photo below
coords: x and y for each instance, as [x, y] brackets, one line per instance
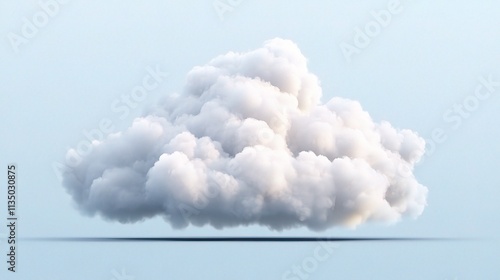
[239, 239]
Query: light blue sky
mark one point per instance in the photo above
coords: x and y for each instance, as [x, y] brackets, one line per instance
[430, 57]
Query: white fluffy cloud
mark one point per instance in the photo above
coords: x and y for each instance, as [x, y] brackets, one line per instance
[249, 142]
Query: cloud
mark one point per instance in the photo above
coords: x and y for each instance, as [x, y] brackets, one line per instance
[248, 141]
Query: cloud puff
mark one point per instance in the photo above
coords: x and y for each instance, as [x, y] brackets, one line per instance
[248, 141]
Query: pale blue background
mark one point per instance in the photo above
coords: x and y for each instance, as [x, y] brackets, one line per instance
[427, 59]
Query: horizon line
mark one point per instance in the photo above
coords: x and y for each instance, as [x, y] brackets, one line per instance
[238, 239]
